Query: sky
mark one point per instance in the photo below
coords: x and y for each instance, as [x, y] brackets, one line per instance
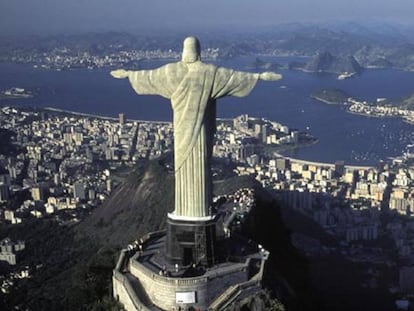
[69, 16]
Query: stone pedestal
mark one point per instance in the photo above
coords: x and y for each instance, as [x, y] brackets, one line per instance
[144, 281]
[191, 241]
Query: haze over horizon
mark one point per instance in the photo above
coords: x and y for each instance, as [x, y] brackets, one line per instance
[58, 16]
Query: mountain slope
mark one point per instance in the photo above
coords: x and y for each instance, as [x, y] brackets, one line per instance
[139, 205]
[326, 62]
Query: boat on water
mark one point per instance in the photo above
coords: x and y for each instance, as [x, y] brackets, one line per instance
[15, 93]
[345, 75]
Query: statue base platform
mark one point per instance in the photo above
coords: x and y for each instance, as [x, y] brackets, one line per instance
[143, 280]
[191, 241]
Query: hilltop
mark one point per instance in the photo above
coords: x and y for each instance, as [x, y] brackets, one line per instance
[327, 63]
[137, 206]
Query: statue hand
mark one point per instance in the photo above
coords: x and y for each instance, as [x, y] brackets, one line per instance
[270, 76]
[120, 74]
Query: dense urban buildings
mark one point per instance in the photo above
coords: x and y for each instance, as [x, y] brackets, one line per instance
[62, 167]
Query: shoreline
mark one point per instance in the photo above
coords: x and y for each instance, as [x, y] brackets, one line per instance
[14, 97]
[348, 105]
[323, 164]
[89, 115]
[370, 115]
[277, 153]
[63, 111]
[380, 116]
[291, 147]
[411, 122]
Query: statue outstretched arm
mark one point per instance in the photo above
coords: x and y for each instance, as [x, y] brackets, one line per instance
[148, 82]
[238, 83]
[120, 73]
[270, 76]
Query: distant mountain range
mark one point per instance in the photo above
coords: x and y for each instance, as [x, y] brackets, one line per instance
[372, 44]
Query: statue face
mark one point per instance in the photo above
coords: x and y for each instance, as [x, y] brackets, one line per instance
[191, 50]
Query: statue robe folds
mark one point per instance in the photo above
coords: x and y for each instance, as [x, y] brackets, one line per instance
[193, 89]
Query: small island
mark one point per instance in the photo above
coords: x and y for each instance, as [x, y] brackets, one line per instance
[382, 107]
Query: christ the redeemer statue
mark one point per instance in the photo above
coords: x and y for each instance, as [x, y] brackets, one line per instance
[193, 87]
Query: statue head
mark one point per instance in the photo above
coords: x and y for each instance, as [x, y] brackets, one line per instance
[191, 50]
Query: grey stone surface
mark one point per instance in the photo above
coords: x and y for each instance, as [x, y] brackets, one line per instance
[142, 280]
[193, 88]
[162, 290]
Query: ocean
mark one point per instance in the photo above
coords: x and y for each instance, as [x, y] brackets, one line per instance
[353, 138]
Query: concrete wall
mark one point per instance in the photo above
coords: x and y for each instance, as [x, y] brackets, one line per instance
[124, 293]
[218, 284]
[162, 290]
[221, 285]
[122, 289]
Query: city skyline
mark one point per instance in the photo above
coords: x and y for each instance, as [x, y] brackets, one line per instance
[53, 17]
